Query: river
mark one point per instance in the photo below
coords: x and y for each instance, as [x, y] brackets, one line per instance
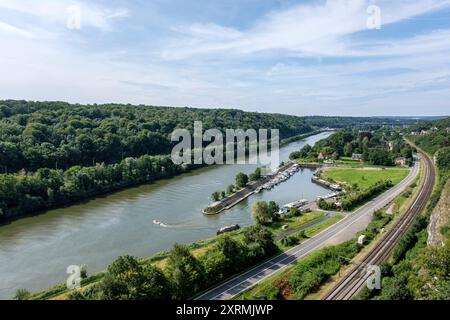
[36, 251]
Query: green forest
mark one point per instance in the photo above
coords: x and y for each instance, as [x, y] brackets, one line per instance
[54, 153]
[418, 270]
[377, 147]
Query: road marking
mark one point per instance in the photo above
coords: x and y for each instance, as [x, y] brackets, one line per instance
[363, 211]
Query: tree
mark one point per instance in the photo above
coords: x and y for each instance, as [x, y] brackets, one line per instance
[259, 241]
[348, 149]
[83, 272]
[255, 176]
[185, 272]
[123, 280]
[273, 207]
[230, 189]
[155, 285]
[262, 213]
[215, 266]
[397, 289]
[380, 157]
[231, 250]
[22, 294]
[215, 196]
[127, 280]
[443, 158]
[241, 180]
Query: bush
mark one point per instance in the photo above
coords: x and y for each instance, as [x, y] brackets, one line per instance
[290, 241]
[409, 239]
[241, 180]
[22, 294]
[263, 212]
[185, 272]
[309, 273]
[355, 199]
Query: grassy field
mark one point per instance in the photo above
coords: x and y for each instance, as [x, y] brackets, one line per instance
[198, 249]
[267, 287]
[295, 222]
[312, 231]
[264, 288]
[365, 178]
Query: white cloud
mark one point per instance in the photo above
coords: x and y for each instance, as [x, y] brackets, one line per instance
[218, 66]
[58, 11]
[9, 29]
[311, 30]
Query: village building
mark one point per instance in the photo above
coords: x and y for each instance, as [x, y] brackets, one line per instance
[357, 156]
[401, 162]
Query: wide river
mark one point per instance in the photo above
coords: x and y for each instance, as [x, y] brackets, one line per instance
[35, 252]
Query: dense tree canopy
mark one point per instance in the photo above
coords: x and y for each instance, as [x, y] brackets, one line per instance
[378, 147]
[54, 153]
[59, 135]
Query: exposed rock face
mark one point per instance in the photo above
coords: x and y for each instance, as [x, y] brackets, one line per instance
[439, 218]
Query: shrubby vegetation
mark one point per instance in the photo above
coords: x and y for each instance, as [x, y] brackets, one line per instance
[419, 271]
[241, 180]
[23, 192]
[380, 147]
[37, 135]
[265, 213]
[54, 153]
[355, 198]
[184, 275]
[313, 271]
[291, 241]
[437, 135]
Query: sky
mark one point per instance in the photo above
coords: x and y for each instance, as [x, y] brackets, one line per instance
[316, 57]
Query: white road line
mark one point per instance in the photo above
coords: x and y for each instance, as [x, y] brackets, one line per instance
[362, 212]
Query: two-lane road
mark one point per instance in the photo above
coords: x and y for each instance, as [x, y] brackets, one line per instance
[344, 228]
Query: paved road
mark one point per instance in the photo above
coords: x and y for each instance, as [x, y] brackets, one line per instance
[250, 278]
[304, 227]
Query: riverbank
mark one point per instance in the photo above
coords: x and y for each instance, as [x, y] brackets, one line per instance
[306, 226]
[304, 136]
[37, 250]
[37, 202]
[244, 193]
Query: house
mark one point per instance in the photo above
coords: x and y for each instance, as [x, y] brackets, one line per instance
[335, 155]
[321, 156]
[357, 156]
[401, 162]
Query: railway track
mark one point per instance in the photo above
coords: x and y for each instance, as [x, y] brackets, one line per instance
[355, 280]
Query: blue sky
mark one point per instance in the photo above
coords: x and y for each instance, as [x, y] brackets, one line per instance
[286, 56]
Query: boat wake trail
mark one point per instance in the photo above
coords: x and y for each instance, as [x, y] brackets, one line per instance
[186, 226]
